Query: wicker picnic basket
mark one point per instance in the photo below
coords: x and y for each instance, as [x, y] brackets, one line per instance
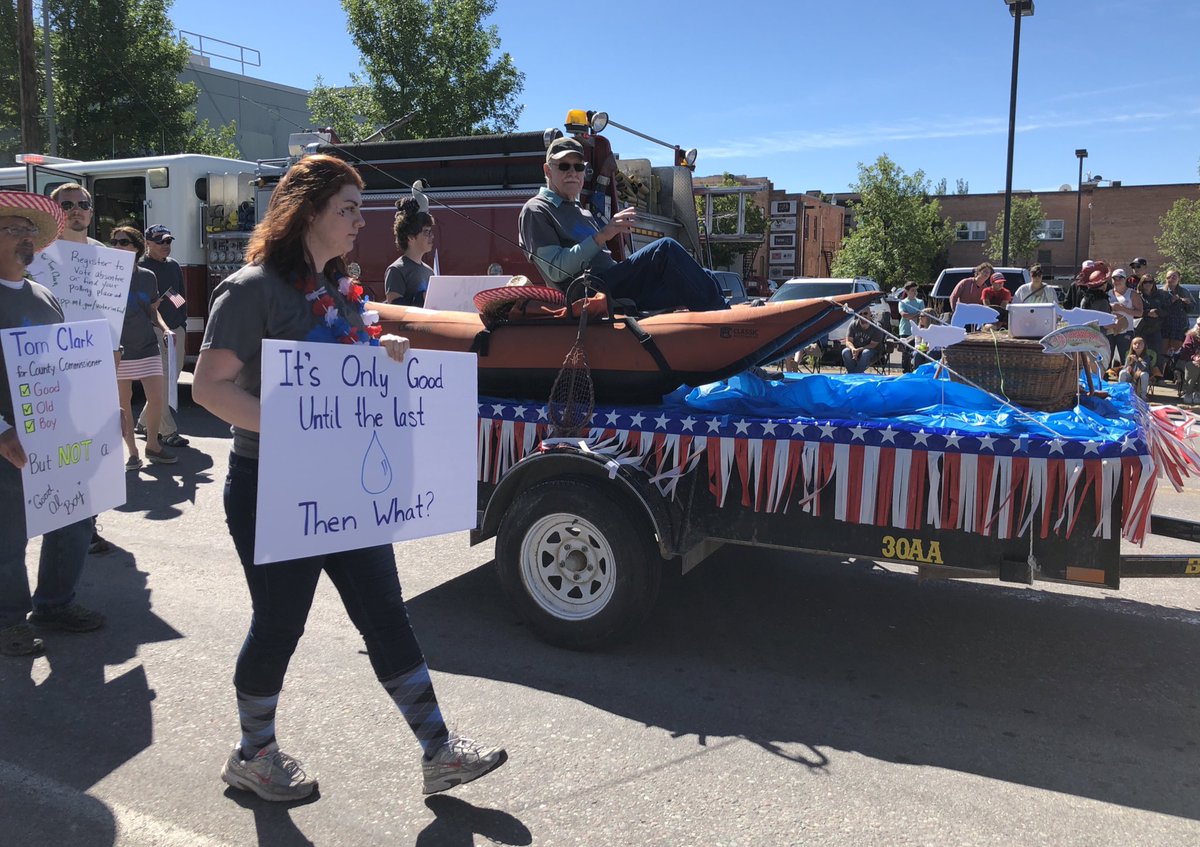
[1015, 368]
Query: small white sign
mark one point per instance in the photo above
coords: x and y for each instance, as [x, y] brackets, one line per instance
[783, 207]
[359, 450]
[787, 239]
[782, 256]
[64, 390]
[781, 272]
[88, 281]
[783, 224]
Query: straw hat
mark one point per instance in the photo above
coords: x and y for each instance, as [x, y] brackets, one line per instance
[44, 212]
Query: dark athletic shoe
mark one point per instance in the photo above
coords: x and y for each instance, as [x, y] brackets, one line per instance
[69, 618]
[19, 640]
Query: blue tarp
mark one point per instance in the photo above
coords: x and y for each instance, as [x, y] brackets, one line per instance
[916, 399]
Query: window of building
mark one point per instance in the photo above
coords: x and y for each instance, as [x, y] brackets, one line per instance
[971, 231]
[1050, 231]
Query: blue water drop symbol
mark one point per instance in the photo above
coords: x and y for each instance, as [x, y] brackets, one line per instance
[376, 469]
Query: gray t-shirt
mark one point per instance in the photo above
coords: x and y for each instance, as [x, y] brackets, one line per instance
[30, 305]
[409, 279]
[170, 278]
[253, 304]
[558, 234]
[138, 340]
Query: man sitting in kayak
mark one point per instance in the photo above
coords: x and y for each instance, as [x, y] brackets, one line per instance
[563, 238]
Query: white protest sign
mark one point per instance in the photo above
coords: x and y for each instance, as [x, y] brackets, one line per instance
[64, 390]
[172, 372]
[359, 450]
[89, 282]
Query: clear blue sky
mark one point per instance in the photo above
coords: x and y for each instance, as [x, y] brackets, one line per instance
[802, 91]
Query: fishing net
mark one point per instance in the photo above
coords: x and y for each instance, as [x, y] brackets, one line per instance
[573, 397]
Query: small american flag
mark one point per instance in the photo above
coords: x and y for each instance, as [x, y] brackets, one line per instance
[175, 298]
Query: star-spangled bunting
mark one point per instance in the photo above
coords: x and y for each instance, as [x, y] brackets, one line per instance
[883, 473]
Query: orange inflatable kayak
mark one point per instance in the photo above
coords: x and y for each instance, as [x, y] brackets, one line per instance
[631, 360]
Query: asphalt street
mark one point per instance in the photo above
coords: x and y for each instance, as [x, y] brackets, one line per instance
[773, 699]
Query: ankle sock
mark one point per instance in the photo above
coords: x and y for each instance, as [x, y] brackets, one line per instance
[413, 693]
[257, 716]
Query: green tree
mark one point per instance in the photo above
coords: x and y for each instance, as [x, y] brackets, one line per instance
[116, 90]
[434, 58]
[1024, 232]
[1180, 238]
[900, 232]
[725, 217]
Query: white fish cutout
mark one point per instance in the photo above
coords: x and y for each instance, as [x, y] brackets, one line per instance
[940, 337]
[973, 314]
[1083, 317]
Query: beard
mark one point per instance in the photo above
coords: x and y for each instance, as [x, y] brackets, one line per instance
[77, 224]
[25, 253]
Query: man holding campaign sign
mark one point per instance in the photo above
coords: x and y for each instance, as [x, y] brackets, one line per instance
[361, 393]
[31, 386]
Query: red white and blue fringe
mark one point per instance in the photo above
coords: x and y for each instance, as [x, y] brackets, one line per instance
[879, 475]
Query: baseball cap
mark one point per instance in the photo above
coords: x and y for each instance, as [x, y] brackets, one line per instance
[1088, 265]
[159, 234]
[1119, 272]
[564, 146]
[998, 277]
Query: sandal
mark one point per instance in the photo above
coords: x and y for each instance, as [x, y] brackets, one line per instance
[19, 640]
[134, 463]
[172, 440]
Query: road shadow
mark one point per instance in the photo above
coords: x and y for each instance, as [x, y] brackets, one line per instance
[273, 822]
[806, 657]
[458, 822]
[159, 490]
[65, 725]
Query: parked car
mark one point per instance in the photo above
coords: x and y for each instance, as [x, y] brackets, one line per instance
[1193, 312]
[732, 287]
[804, 287]
[939, 298]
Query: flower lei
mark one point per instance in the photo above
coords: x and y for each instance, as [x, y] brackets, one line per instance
[333, 326]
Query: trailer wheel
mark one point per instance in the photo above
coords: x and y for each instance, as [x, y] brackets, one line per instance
[581, 567]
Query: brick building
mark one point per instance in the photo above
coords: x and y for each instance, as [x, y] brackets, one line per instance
[805, 234]
[1116, 223]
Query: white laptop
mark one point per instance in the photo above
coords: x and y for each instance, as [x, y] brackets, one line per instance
[1032, 320]
[456, 293]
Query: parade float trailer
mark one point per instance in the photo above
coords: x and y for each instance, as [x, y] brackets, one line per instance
[910, 470]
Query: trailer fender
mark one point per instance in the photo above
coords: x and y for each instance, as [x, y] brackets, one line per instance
[631, 485]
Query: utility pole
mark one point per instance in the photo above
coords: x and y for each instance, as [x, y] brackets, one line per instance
[51, 129]
[27, 70]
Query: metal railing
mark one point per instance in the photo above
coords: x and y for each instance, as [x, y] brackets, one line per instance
[197, 42]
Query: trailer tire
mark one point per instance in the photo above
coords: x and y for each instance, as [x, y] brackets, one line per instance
[580, 565]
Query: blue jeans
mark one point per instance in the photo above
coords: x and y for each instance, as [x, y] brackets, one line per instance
[63, 554]
[281, 595]
[662, 275]
[860, 365]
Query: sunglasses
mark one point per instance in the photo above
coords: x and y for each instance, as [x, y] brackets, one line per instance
[82, 205]
[20, 231]
[119, 242]
[578, 167]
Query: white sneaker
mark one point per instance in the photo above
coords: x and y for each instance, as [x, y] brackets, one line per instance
[271, 774]
[459, 760]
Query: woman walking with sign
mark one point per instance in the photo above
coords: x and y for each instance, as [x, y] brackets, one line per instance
[295, 274]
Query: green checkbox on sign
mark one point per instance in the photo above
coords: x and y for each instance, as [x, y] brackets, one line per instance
[27, 409]
[30, 426]
[25, 390]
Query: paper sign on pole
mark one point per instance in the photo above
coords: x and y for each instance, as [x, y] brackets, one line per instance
[359, 450]
[66, 413]
[88, 281]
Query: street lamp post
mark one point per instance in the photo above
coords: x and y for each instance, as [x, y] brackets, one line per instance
[1018, 9]
[1082, 154]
